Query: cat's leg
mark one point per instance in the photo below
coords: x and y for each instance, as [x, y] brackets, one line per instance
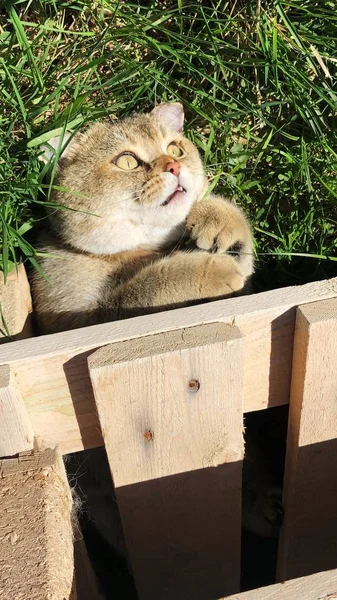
[263, 515]
[262, 510]
[176, 281]
[219, 226]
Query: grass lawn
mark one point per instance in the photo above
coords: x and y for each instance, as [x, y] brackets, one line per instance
[258, 82]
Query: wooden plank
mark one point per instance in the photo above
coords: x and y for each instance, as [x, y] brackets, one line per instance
[51, 371]
[308, 540]
[321, 586]
[16, 305]
[170, 408]
[36, 559]
[16, 432]
[86, 582]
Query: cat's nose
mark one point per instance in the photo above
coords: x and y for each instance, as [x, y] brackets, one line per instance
[173, 167]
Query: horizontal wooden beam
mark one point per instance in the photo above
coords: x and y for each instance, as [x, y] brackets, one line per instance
[52, 373]
[321, 586]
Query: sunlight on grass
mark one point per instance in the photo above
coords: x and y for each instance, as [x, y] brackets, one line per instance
[257, 80]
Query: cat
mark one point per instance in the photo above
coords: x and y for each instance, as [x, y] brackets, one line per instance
[132, 191]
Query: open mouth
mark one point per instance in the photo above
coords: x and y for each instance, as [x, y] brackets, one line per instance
[177, 191]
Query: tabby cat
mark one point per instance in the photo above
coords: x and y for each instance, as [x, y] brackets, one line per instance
[133, 191]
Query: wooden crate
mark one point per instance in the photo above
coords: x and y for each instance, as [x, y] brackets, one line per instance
[166, 394]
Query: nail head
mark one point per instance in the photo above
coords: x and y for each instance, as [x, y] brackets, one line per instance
[193, 386]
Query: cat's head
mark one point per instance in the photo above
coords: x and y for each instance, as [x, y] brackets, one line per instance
[131, 183]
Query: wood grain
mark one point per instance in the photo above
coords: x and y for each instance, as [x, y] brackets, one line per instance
[16, 305]
[309, 535]
[170, 408]
[36, 559]
[16, 432]
[321, 586]
[51, 371]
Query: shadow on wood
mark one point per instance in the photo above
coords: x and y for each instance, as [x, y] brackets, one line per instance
[309, 536]
[181, 526]
[80, 388]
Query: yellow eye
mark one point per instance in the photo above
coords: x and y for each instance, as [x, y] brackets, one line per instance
[126, 161]
[174, 150]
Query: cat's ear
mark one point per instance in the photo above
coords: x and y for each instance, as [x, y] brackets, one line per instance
[60, 147]
[171, 113]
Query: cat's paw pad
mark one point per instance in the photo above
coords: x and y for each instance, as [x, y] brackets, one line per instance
[264, 516]
[219, 227]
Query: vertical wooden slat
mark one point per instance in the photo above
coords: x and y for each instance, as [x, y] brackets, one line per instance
[16, 306]
[16, 433]
[86, 582]
[36, 538]
[308, 540]
[170, 407]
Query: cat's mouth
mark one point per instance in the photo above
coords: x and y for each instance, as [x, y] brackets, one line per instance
[179, 190]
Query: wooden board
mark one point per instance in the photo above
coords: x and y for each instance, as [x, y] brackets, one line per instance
[170, 408]
[16, 306]
[52, 375]
[321, 586]
[36, 558]
[86, 583]
[16, 432]
[309, 535]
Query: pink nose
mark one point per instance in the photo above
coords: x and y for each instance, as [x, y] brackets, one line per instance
[173, 167]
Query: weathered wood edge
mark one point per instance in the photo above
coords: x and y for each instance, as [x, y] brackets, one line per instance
[320, 586]
[36, 528]
[163, 343]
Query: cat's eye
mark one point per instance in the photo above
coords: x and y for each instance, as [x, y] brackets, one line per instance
[127, 161]
[174, 150]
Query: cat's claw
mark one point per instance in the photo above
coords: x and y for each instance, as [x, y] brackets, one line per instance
[218, 226]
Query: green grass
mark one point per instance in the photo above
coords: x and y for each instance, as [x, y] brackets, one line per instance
[258, 82]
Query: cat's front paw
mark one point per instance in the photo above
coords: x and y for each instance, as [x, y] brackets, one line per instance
[264, 517]
[222, 277]
[219, 226]
[273, 511]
